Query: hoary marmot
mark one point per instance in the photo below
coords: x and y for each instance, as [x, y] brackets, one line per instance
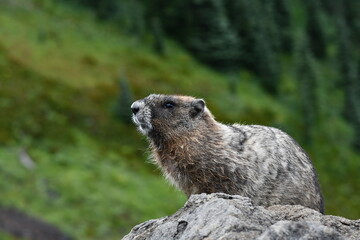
[200, 155]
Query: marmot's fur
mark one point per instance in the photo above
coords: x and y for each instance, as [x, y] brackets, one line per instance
[200, 155]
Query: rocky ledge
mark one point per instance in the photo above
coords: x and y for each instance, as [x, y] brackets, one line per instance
[221, 216]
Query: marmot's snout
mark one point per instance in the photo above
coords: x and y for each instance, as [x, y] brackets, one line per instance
[141, 116]
[135, 107]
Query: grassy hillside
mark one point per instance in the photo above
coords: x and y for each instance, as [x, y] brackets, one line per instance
[59, 72]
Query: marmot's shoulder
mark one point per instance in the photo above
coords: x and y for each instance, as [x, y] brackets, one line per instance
[260, 131]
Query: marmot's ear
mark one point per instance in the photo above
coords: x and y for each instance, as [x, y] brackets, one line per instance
[197, 107]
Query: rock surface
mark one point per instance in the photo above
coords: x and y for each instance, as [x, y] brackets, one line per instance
[220, 216]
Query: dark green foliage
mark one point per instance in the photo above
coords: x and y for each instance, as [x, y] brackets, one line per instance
[272, 30]
[255, 24]
[352, 18]
[128, 14]
[213, 40]
[308, 86]
[177, 25]
[349, 79]
[158, 35]
[124, 101]
[105, 9]
[136, 12]
[282, 18]
[330, 6]
[266, 43]
[314, 29]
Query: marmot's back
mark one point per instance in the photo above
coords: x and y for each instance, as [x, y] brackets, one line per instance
[281, 171]
[200, 155]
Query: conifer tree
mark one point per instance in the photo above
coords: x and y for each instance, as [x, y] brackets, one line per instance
[175, 17]
[266, 65]
[308, 88]
[272, 29]
[330, 6]
[158, 36]
[264, 57]
[258, 41]
[124, 101]
[282, 19]
[138, 26]
[352, 18]
[314, 29]
[213, 40]
[349, 79]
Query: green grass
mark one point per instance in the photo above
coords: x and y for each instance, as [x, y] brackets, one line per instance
[59, 72]
[5, 236]
[84, 186]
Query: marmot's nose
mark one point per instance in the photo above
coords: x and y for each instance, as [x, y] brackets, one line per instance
[135, 107]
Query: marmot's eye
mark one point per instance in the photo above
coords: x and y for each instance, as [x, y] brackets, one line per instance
[169, 105]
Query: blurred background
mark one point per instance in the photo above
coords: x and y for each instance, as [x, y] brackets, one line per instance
[69, 70]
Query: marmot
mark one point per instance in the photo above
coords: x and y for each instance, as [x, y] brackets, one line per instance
[200, 155]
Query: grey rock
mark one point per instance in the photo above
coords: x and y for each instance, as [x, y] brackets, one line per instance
[291, 230]
[222, 216]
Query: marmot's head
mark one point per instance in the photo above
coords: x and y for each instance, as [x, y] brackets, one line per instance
[169, 115]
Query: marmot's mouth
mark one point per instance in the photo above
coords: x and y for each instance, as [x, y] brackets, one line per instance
[143, 126]
[136, 120]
